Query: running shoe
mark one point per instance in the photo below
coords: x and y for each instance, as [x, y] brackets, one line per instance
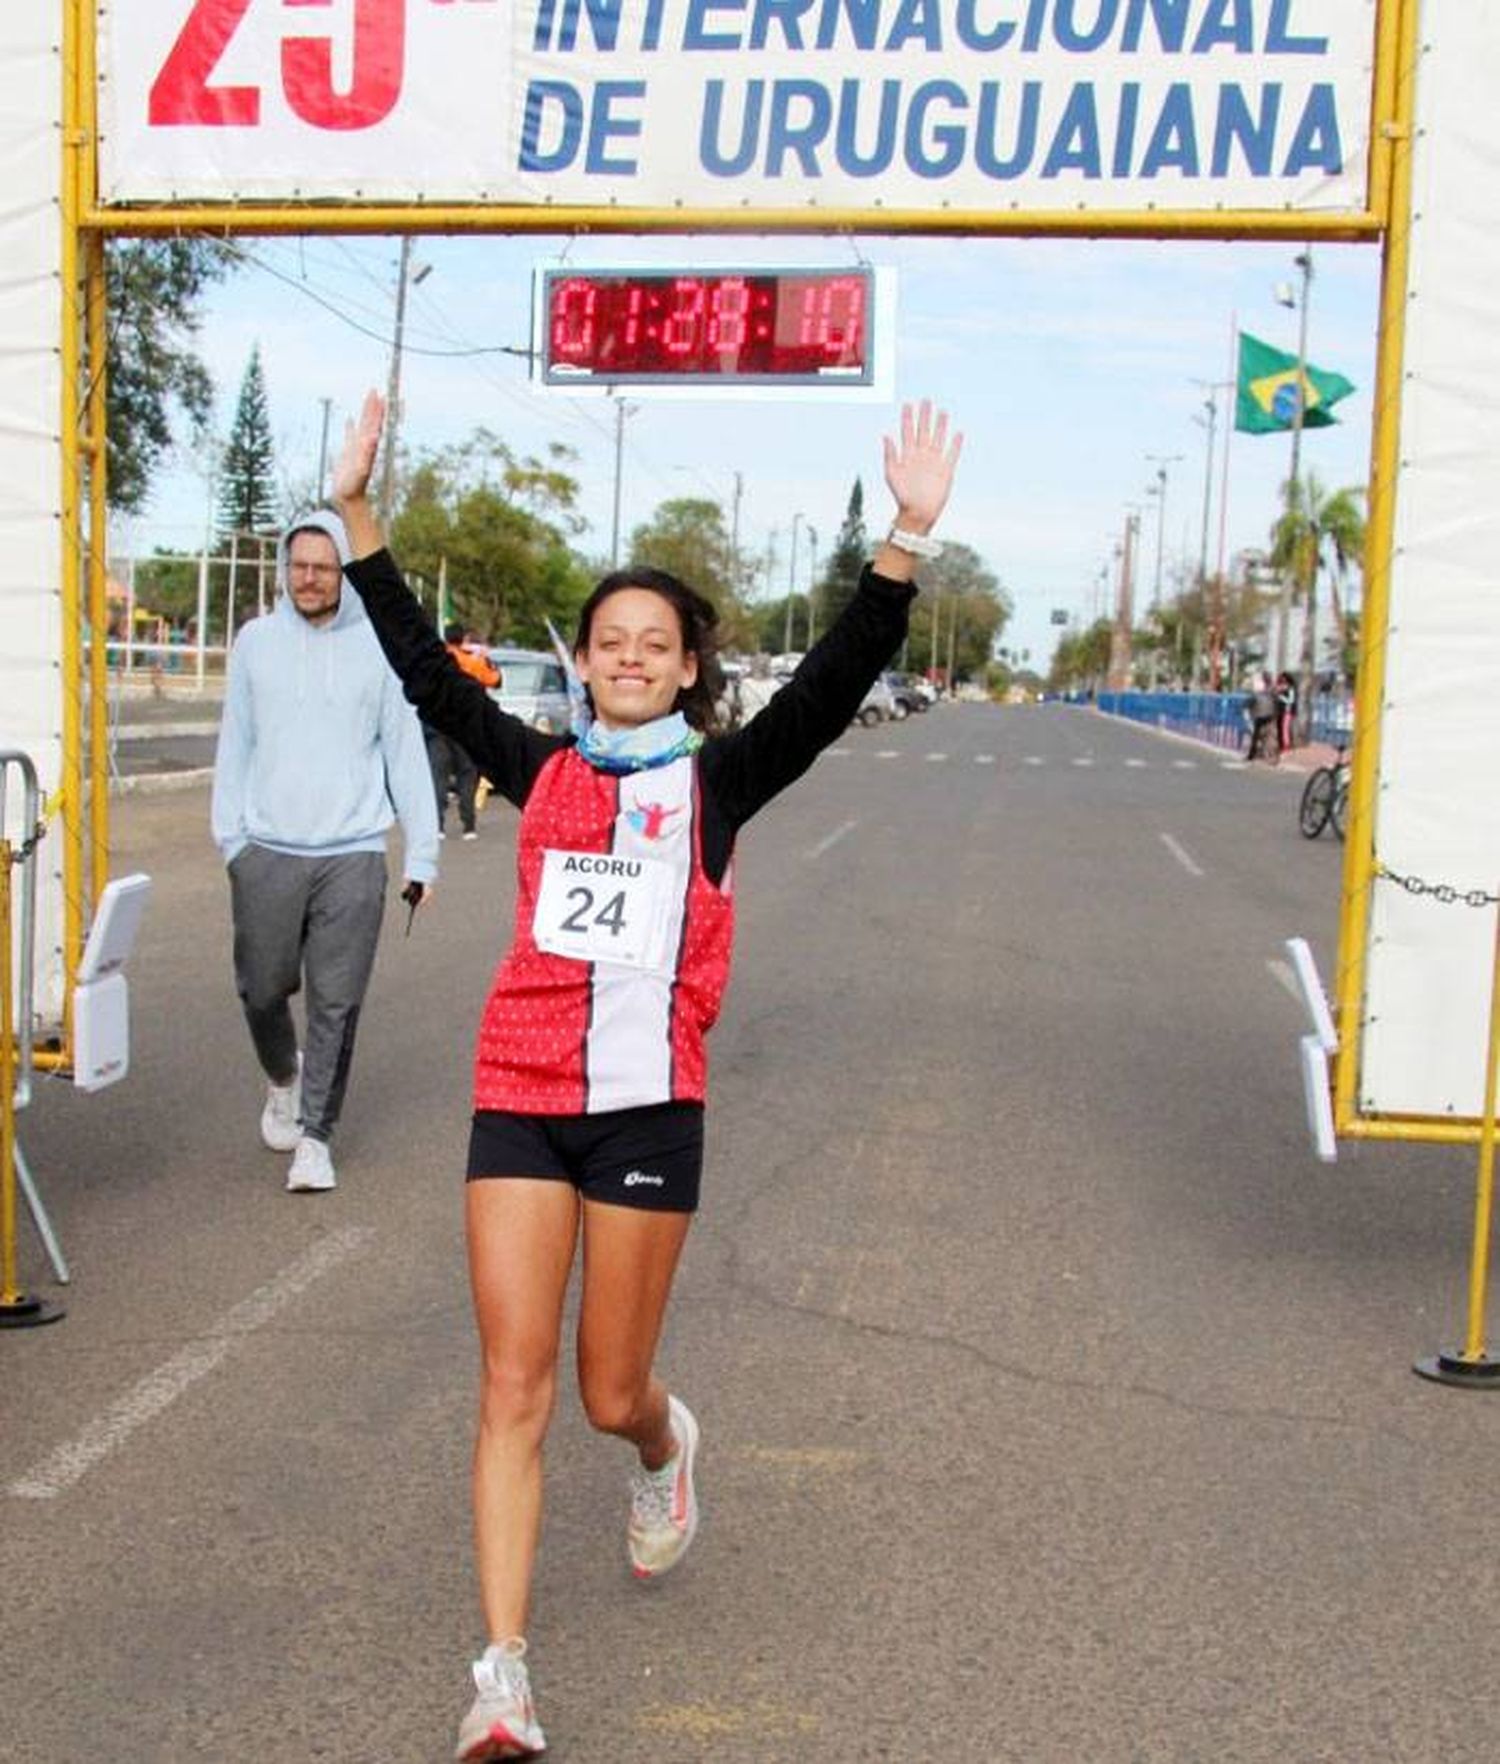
[664, 1503]
[502, 1723]
[278, 1119]
[312, 1169]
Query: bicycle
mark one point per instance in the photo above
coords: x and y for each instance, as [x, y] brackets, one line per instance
[1325, 799]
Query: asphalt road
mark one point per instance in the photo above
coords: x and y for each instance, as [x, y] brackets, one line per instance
[1057, 1404]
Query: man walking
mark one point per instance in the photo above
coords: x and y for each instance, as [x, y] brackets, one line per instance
[318, 753]
[445, 756]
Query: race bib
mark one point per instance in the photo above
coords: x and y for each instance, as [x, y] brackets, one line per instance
[596, 908]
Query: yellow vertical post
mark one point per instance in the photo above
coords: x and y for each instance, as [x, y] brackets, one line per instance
[1359, 850]
[95, 419]
[1472, 1367]
[75, 31]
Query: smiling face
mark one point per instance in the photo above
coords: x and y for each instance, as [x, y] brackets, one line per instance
[634, 663]
[314, 578]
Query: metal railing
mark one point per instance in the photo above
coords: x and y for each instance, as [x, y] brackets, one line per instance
[17, 1009]
[1220, 717]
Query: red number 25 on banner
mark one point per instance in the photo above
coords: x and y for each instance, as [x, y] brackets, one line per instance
[181, 93]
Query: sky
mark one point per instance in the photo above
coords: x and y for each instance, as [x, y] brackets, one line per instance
[1075, 369]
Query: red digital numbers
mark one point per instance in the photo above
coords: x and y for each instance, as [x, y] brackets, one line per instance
[183, 93]
[792, 327]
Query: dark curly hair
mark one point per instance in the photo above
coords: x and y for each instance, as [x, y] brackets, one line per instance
[699, 624]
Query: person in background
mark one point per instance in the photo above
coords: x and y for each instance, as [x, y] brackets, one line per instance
[1263, 711]
[1286, 710]
[318, 754]
[444, 755]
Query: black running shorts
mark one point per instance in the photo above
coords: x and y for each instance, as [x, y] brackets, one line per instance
[650, 1157]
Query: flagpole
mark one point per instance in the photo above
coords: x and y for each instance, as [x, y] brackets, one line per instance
[1303, 262]
[1232, 384]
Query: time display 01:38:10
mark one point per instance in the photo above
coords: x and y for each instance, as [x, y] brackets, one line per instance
[759, 327]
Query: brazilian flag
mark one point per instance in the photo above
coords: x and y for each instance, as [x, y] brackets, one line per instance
[1266, 393]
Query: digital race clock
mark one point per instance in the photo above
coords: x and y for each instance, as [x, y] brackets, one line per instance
[757, 328]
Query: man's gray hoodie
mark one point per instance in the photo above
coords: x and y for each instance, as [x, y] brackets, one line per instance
[318, 750]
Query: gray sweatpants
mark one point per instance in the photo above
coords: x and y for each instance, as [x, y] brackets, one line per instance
[312, 918]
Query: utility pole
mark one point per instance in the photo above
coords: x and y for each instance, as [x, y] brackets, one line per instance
[734, 536]
[327, 404]
[791, 585]
[404, 275]
[1161, 461]
[1119, 649]
[622, 410]
[812, 584]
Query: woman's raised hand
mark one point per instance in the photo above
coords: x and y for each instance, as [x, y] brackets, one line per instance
[919, 468]
[355, 464]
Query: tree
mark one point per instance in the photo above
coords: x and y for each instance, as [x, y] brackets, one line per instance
[1081, 658]
[845, 562]
[247, 495]
[508, 568]
[152, 290]
[1317, 529]
[686, 537]
[958, 616]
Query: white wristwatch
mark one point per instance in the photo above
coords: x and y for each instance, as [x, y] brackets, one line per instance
[918, 544]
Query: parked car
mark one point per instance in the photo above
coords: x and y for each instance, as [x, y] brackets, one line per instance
[879, 705]
[906, 694]
[532, 687]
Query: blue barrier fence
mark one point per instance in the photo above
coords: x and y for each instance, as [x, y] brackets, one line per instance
[1220, 717]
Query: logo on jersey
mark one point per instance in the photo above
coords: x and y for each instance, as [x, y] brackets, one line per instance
[639, 1179]
[650, 818]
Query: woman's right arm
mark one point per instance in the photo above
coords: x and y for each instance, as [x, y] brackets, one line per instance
[504, 749]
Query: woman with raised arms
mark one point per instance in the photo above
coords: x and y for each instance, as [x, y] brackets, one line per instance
[590, 1073]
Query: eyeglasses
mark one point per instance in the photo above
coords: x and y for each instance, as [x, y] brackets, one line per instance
[324, 571]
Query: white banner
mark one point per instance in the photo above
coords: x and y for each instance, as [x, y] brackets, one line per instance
[949, 106]
[30, 464]
[1426, 1008]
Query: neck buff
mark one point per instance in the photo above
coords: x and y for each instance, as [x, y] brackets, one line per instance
[638, 749]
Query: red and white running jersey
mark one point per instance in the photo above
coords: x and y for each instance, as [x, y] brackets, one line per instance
[564, 1036]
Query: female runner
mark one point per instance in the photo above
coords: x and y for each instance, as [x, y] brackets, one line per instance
[590, 1073]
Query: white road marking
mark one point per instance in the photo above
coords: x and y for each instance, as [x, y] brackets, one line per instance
[984, 759]
[156, 1392]
[1233, 766]
[1137, 764]
[936, 756]
[829, 839]
[888, 753]
[1084, 759]
[1192, 868]
[1185, 765]
[837, 752]
[1281, 972]
[1035, 759]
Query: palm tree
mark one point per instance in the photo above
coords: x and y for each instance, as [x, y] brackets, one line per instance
[1317, 530]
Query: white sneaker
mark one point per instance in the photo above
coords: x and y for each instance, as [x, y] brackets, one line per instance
[664, 1503]
[502, 1722]
[278, 1119]
[312, 1168]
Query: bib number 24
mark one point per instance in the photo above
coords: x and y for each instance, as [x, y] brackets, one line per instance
[600, 908]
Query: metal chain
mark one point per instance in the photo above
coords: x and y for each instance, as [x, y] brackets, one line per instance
[1442, 892]
[20, 853]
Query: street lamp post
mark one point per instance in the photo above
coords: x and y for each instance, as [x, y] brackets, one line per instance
[1286, 297]
[812, 584]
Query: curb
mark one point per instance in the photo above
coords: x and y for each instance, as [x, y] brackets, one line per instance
[157, 783]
